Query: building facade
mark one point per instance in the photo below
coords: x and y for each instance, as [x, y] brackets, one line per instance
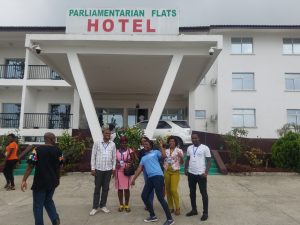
[253, 83]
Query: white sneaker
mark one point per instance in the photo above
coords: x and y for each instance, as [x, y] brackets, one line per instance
[93, 212]
[105, 210]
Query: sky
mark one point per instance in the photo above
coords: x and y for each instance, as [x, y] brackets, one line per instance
[192, 12]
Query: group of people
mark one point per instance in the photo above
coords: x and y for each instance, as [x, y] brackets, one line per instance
[161, 171]
[160, 168]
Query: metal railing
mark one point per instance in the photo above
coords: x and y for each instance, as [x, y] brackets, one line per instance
[11, 71]
[48, 120]
[42, 72]
[9, 120]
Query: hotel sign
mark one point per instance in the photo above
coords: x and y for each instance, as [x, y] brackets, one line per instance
[122, 21]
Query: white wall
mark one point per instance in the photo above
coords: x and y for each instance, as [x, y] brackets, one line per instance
[269, 98]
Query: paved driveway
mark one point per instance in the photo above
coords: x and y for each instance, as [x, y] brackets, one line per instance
[233, 200]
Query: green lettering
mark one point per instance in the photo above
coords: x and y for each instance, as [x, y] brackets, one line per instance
[71, 12]
[81, 12]
[174, 13]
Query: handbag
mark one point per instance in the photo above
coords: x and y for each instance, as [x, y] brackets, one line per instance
[130, 170]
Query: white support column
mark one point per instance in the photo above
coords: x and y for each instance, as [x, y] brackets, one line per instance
[76, 110]
[85, 96]
[163, 95]
[192, 117]
[24, 90]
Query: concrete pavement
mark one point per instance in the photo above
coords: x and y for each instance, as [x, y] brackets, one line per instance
[233, 200]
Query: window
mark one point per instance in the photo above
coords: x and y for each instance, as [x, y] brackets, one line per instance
[200, 114]
[173, 114]
[291, 45]
[163, 125]
[243, 81]
[109, 117]
[241, 45]
[60, 116]
[10, 117]
[292, 81]
[243, 118]
[293, 116]
[14, 68]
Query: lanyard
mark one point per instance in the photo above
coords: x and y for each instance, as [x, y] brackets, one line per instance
[122, 155]
[195, 151]
[105, 145]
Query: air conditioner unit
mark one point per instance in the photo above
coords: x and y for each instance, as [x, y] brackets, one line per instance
[213, 117]
[213, 81]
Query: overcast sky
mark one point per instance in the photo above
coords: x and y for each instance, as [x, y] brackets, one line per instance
[192, 12]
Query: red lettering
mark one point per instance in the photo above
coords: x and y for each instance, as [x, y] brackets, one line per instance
[123, 24]
[108, 25]
[137, 25]
[91, 25]
[149, 28]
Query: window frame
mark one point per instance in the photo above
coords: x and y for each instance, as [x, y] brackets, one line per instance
[200, 117]
[243, 115]
[243, 79]
[292, 43]
[297, 115]
[289, 76]
[242, 43]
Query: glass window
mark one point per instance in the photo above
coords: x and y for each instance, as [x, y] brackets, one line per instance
[243, 81]
[200, 114]
[10, 116]
[163, 125]
[14, 68]
[292, 81]
[182, 124]
[173, 114]
[243, 118]
[293, 116]
[241, 45]
[59, 117]
[291, 46]
[110, 117]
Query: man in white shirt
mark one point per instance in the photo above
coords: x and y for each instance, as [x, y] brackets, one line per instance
[196, 168]
[103, 164]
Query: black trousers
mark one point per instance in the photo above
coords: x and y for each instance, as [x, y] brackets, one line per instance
[202, 182]
[102, 180]
[8, 171]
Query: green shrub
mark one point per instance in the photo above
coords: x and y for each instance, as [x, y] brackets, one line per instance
[133, 135]
[286, 151]
[233, 141]
[72, 147]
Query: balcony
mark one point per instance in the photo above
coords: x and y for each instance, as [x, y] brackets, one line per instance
[42, 72]
[47, 121]
[12, 71]
[9, 120]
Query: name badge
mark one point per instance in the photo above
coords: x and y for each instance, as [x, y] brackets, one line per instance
[122, 163]
[169, 160]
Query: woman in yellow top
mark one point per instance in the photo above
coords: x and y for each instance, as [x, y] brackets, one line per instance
[173, 158]
[11, 159]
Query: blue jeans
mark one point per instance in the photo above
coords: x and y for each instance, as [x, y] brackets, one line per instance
[41, 199]
[151, 197]
[155, 183]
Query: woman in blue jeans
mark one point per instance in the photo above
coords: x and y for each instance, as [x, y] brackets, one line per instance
[142, 153]
[150, 164]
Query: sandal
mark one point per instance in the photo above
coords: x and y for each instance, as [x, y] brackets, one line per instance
[121, 208]
[177, 212]
[127, 208]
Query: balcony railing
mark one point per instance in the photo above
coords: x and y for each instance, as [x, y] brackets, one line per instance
[9, 120]
[11, 71]
[42, 72]
[48, 120]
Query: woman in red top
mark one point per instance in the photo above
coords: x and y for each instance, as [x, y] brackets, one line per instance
[11, 159]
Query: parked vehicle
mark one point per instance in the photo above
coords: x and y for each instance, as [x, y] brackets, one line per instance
[178, 128]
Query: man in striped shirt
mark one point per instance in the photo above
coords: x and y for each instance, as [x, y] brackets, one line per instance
[103, 164]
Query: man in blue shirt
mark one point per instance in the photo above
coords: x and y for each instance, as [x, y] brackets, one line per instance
[155, 181]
